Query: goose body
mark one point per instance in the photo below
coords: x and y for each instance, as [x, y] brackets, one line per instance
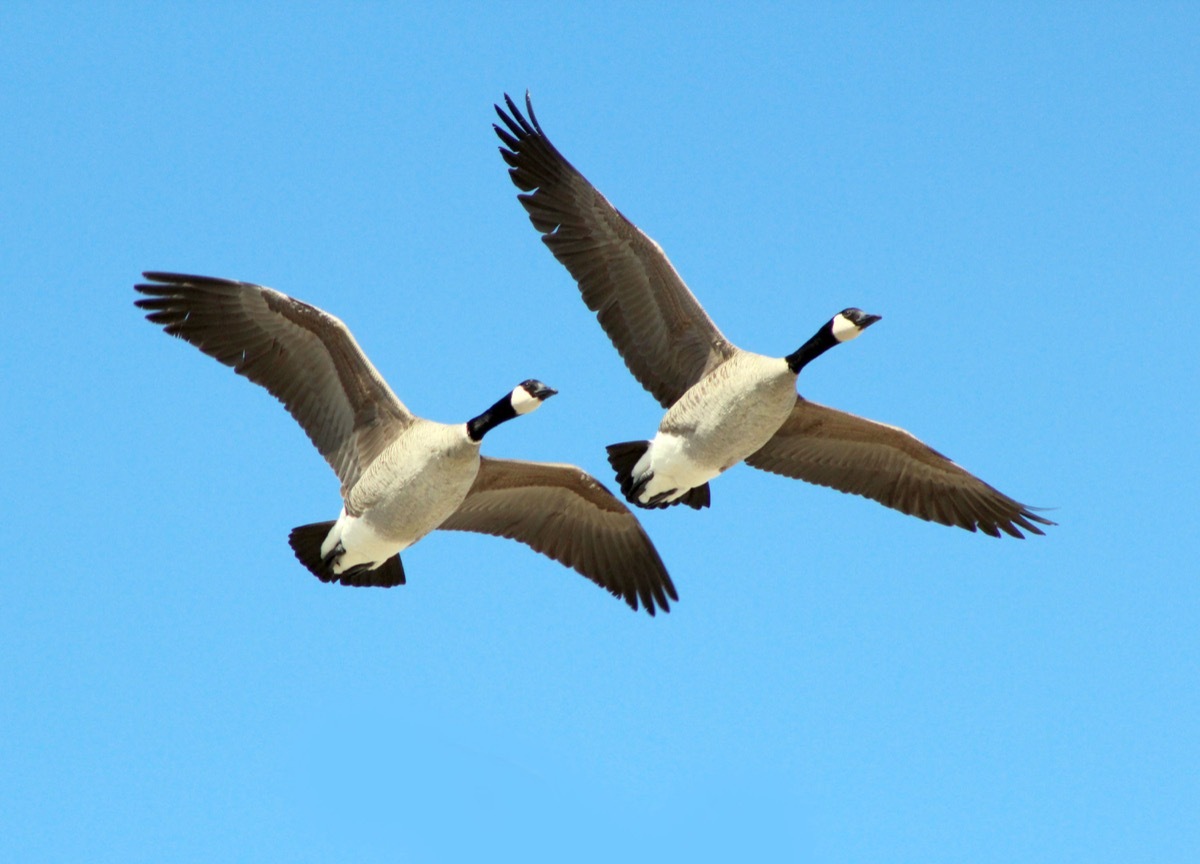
[410, 489]
[716, 423]
[403, 476]
[724, 405]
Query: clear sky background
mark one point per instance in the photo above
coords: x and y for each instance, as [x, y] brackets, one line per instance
[1016, 191]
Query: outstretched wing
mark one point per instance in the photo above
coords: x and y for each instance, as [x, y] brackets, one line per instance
[304, 357]
[564, 513]
[885, 463]
[661, 331]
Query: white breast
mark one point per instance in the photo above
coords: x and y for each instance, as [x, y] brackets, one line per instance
[717, 423]
[414, 485]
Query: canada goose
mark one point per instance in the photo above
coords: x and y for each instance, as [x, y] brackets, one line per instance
[724, 404]
[403, 476]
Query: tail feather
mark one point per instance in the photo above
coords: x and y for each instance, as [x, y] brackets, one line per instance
[386, 575]
[306, 542]
[697, 497]
[624, 457]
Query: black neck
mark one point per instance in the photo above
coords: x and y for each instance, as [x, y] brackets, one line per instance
[821, 342]
[502, 411]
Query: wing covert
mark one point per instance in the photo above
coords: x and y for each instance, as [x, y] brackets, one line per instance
[303, 356]
[887, 464]
[562, 512]
[656, 324]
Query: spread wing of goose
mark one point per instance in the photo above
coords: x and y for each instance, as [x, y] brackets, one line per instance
[725, 405]
[403, 476]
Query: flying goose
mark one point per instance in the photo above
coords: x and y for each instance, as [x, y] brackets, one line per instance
[403, 476]
[724, 405]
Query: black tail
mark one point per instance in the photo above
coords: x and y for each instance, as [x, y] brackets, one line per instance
[306, 543]
[624, 456]
[696, 497]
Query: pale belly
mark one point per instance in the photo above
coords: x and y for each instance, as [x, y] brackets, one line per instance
[706, 433]
[396, 507]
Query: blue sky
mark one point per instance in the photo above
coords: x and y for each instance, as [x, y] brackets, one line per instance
[1014, 190]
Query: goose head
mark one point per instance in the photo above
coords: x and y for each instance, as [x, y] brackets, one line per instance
[525, 398]
[529, 395]
[842, 327]
[849, 323]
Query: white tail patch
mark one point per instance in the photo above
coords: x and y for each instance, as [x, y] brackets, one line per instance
[362, 544]
[673, 469]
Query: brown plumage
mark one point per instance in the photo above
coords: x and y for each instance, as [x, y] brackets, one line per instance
[672, 347]
[853, 454]
[565, 513]
[399, 471]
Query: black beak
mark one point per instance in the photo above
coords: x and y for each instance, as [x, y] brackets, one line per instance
[868, 320]
[538, 390]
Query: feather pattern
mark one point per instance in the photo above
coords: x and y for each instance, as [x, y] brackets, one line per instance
[887, 464]
[661, 331]
[564, 513]
[403, 476]
[721, 406]
[303, 356]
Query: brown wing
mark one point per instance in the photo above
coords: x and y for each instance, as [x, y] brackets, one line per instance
[856, 455]
[304, 357]
[564, 513]
[661, 331]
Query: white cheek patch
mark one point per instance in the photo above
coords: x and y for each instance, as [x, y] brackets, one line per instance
[523, 402]
[844, 329]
